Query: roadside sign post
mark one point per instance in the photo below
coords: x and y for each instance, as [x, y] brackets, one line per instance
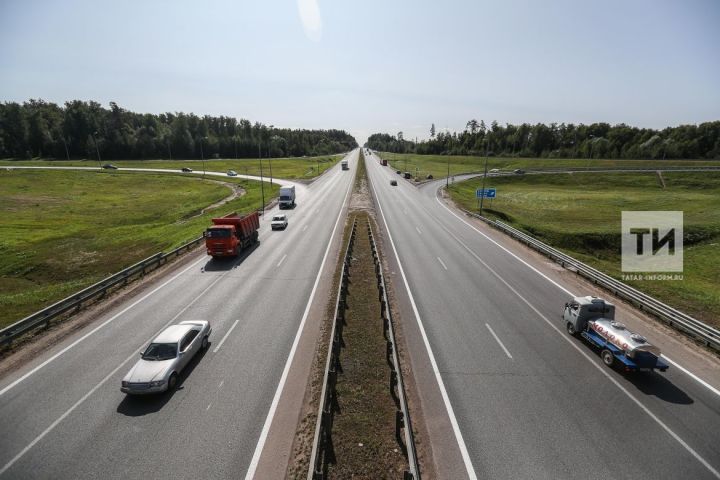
[482, 193]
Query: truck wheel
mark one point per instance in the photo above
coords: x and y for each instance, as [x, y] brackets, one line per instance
[607, 357]
[571, 329]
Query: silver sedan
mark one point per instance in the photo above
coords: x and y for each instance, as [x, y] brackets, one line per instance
[163, 360]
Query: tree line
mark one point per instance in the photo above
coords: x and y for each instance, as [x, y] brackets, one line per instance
[81, 129]
[598, 140]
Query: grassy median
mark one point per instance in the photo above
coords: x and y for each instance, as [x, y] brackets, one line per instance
[289, 168]
[580, 214]
[437, 165]
[63, 230]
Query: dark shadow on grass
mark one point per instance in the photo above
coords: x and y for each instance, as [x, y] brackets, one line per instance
[139, 405]
[656, 384]
[224, 264]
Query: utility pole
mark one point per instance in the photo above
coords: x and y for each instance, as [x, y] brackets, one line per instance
[97, 149]
[202, 155]
[262, 182]
[482, 197]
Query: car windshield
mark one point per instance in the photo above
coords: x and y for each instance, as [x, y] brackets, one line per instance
[278, 218]
[160, 351]
[284, 197]
[217, 233]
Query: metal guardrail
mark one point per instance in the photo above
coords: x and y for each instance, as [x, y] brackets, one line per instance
[322, 442]
[683, 322]
[402, 415]
[95, 291]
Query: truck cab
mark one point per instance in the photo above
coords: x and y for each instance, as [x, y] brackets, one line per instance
[287, 196]
[344, 164]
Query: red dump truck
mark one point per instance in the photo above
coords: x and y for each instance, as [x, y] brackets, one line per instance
[231, 234]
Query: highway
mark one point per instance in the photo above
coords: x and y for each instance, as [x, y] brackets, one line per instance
[63, 416]
[522, 398]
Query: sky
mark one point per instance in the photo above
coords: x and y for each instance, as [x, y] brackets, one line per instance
[372, 66]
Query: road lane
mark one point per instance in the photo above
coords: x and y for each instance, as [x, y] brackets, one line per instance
[254, 308]
[553, 411]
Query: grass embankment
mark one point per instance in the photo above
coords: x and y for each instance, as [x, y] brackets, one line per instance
[437, 165]
[581, 214]
[288, 168]
[63, 230]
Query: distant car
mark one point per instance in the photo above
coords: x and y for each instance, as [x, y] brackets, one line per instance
[398, 172]
[162, 361]
[232, 173]
[186, 169]
[393, 183]
[429, 177]
[494, 170]
[109, 166]
[407, 175]
[279, 222]
[518, 171]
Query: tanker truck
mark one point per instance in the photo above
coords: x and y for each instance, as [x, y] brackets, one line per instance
[231, 234]
[593, 319]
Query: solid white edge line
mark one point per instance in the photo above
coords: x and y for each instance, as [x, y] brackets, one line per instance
[497, 339]
[283, 378]
[600, 368]
[441, 385]
[227, 334]
[102, 382]
[675, 364]
[91, 332]
[508, 251]
[442, 263]
[281, 260]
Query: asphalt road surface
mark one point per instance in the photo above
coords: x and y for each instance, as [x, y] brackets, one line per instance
[63, 416]
[529, 401]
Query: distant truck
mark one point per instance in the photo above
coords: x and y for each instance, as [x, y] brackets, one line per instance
[593, 319]
[344, 164]
[383, 162]
[231, 234]
[287, 196]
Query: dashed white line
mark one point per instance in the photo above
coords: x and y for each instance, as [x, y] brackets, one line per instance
[222, 382]
[282, 260]
[215, 350]
[497, 339]
[442, 263]
[418, 230]
[208, 407]
[304, 228]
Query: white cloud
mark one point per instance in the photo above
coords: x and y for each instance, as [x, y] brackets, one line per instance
[310, 17]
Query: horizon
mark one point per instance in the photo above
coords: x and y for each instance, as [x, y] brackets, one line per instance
[312, 65]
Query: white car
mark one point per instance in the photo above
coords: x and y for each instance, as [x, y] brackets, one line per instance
[162, 361]
[279, 222]
[494, 170]
[232, 173]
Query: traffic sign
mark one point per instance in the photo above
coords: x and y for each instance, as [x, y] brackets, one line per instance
[487, 193]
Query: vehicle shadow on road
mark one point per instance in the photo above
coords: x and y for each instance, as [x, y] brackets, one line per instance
[139, 405]
[224, 264]
[657, 385]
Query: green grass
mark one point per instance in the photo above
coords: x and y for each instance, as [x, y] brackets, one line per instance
[580, 215]
[287, 168]
[62, 230]
[437, 165]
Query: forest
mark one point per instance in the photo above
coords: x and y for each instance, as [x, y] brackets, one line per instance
[84, 129]
[598, 140]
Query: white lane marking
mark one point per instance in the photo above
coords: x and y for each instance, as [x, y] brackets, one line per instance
[508, 251]
[304, 228]
[600, 368]
[208, 407]
[443, 392]
[281, 260]
[442, 263]
[681, 368]
[497, 339]
[418, 230]
[106, 322]
[222, 382]
[692, 375]
[222, 340]
[102, 382]
[283, 378]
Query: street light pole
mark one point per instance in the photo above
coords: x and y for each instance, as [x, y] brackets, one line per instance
[269, 159]
[262, 182]
[202, 155]
[97, 149]
[482, 197]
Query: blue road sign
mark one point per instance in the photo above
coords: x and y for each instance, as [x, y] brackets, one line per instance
[487, 193]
